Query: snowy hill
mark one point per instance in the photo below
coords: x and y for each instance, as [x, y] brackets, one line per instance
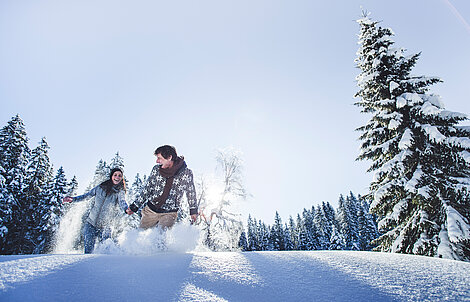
[231, 276]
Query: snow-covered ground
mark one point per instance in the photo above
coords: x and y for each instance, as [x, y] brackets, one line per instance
[232, 276]
[153, 265]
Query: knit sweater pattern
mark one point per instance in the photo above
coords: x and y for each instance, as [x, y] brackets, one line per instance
[183, 183]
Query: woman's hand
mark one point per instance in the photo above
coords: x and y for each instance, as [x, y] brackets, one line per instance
[129, 211]
[67, 199]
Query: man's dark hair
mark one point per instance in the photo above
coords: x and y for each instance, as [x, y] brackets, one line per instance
[166, 151]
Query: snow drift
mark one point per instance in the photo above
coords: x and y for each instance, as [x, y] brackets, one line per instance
[232, 276]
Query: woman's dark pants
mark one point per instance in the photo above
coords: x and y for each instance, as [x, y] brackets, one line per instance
[90, 233]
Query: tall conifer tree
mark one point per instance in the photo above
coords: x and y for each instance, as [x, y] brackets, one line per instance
[303, 242]
[264, 244]
[73, 187]
[252, 238]
[101, 174]
[419, 154]
[367, 226]
[242, 242]
[347, 221]
[277, 237]
[293, 232]
[323, 227]
[59, 189]
[288, 239]
[14, 155]
[36, 195]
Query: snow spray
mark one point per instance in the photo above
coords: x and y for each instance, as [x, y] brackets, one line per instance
[69, 230]
[181, 238]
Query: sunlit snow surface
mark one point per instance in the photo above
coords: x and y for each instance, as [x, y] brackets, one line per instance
[21, 269]
[252, 276]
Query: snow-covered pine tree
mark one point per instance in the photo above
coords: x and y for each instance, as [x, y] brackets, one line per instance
[333, 225]
[38, 181]
[329, 213]
[302, 233]
[316, 238]
[347, 220]
[14, 155]
[294, 236]
[72, 189]
[367, 226]
[135, 189]
[250, 234]
[58, 190]
[308, 228]
[73, 186]
[277, 235]
[288, 238]
[252, 237]
[420, 156]
[262, 232]
[337, 241]
[323, 227]
[101, 174]
[242, 242]
[6, 199]
[117, 162]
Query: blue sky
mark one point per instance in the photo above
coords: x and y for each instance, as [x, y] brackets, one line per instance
[274, 79]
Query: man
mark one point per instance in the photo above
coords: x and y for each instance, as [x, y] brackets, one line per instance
[164, 189]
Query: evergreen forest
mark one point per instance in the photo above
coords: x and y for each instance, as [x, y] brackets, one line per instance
[418, 200]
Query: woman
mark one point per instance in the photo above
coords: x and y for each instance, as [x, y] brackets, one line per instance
[109, 197]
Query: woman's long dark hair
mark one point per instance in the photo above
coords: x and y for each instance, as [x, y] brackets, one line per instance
[108, 185]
